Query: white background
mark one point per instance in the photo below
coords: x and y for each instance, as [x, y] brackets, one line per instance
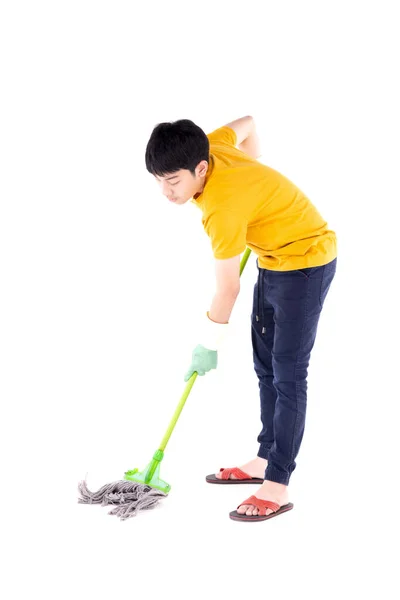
[103, 283]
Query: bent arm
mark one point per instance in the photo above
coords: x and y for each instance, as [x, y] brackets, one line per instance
[247, 138]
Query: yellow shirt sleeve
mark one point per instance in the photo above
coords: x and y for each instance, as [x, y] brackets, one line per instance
[223, 135]
[227, 231]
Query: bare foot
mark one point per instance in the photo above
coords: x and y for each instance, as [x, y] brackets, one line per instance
[254, 468]
[276, 492]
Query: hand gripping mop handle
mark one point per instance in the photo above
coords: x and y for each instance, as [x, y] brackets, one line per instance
[191, 381]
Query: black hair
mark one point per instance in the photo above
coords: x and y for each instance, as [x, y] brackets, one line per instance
[174, 146]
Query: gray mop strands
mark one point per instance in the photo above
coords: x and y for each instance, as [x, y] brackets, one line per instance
[128, 496]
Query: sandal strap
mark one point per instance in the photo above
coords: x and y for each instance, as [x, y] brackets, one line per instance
[262, 505]
[238, 473]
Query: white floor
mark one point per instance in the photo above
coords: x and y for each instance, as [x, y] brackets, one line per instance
[334, 543]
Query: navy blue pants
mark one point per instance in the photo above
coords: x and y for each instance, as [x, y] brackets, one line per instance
[286, 310]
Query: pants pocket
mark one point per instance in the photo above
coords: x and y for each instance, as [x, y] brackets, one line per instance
[306, 271]
[327, 277]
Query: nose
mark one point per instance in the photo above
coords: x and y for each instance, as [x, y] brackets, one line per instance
[164, 188]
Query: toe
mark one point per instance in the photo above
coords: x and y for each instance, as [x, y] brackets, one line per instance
[242, 509]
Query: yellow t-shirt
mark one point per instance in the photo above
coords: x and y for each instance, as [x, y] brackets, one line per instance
[245, 203]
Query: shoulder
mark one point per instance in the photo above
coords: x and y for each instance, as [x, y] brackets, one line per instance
[223, 135]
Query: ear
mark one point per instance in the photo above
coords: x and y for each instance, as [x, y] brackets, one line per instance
[202, 168]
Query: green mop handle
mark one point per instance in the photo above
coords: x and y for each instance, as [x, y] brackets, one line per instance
[191, 381]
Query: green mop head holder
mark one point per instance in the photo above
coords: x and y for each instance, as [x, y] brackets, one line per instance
[151, 474]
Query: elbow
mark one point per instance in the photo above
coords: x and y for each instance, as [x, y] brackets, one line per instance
[251, 122]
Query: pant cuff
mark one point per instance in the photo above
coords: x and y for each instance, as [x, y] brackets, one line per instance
[272, 473]
[263, 451]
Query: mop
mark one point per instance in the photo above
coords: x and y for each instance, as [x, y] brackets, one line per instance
[141, 490]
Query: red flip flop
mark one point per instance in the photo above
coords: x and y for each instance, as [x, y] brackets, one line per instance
[262, 506]
[242, 477]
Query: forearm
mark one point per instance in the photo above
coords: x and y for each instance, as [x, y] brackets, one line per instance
[251, 145]
[222, 306]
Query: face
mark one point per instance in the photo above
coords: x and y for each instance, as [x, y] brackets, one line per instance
[181, 186]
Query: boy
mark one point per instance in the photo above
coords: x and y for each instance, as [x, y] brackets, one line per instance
[245, 203]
